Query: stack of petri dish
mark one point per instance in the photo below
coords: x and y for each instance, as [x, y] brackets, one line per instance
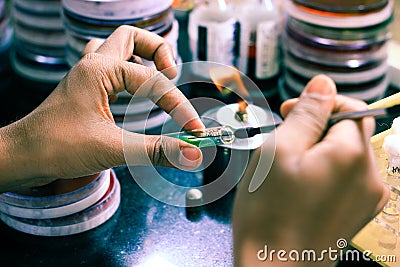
[85, 20]
[6, 33]
[347, 40]
[64, 207]
[39, 40]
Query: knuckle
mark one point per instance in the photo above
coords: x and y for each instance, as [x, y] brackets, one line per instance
[351, 156]
[167, 45]
[88, 63]
[350, 104]
[89, 57]
[315, 119]
[361, 105]
[357, 104]
[156, 151]
[125, 28]
[86, 67]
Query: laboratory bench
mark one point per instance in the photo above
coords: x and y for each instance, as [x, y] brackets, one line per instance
[143, 231]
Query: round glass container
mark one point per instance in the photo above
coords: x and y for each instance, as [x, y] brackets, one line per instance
[116, 9]
[57, 194]
[341, 75]
[343, 6]
[328, 19]
[337, 58]
[78, 222]
[354, 37]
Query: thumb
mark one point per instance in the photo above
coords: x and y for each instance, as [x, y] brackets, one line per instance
[306, 123]
[157, 150]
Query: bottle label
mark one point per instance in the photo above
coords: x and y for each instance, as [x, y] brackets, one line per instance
[245, 44]
[218, 42]
[267, 50]
[394, 166]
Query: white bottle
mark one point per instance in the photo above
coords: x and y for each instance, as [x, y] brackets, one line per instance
[260, 30]
[212, 34]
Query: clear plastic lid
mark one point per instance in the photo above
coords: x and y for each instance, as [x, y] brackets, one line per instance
[47, 196]
[82, 221]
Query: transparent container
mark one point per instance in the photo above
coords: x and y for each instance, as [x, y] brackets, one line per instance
[213, 35]
[393, 168]
[260, 30]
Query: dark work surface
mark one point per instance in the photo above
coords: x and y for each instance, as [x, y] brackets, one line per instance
[143, 230]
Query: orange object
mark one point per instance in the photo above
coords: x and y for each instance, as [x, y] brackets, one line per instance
[183, 5]
[228, 81]
[334, 14]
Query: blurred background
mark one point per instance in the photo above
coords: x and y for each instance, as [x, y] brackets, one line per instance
[276, 45]
[279, 45]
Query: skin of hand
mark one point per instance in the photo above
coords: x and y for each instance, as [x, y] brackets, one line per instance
[322, 186]
[73, 133]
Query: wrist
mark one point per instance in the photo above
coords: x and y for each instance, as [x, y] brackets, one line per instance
[18, 158]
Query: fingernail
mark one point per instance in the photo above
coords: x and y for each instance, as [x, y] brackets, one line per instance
[189, 157]
[320, 86]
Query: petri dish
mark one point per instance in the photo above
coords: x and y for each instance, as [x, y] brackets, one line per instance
[338, 38]
[335, 58]
[42, 68]
[85, 26]
[40, 7]
[341, 75]
[79, 222]
[286, 91]
[48, 21]
[298, 83]
[329, 19]
[343, 6]
[40, 37]
[116, 9]
[60, 211]
[44, 197]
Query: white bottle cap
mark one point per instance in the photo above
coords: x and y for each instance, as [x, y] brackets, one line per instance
[391, 144]
[396, 126]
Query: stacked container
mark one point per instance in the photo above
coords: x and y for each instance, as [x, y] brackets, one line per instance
[6, 33]
[346, 40]
[64, 207]
[39, 40]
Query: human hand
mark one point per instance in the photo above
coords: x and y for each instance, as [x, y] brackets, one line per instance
[322, 186]
[72, 133]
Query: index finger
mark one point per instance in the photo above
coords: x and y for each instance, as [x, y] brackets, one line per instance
[126, 41]
[144, 82]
